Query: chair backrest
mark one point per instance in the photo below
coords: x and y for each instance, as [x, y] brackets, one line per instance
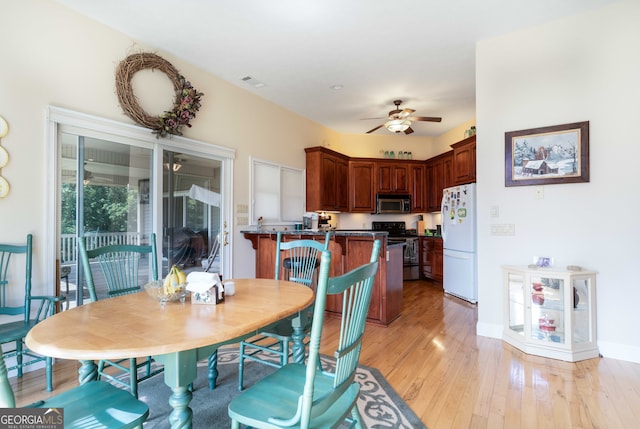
[119, 264]
[356, 287]
[6, 253]
[303, 255]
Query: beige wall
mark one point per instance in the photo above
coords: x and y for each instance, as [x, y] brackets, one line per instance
[372, 145]
[52, 56]
[57, 57]
[583, 68]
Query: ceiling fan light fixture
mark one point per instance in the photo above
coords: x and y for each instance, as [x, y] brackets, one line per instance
[176, 166]
[397, 125]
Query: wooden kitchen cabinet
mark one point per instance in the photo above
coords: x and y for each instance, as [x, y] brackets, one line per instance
[448, 170]
[435, 183]
[329, 171]
[362, 198]
[431, 258]
[327, 174]
[439, 172]
[348, 251]
[392, 178]
[464, 161]
[418, 176]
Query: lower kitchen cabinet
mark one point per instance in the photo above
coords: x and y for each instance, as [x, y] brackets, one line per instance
[550, 312]
[431, 258]
[348, 251]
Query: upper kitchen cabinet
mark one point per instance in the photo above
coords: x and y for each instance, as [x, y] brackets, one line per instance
[362, 198]
[327, 174]
[464, 160]
[392, 178]
[418, 176]
[438, 172]
[448, 170]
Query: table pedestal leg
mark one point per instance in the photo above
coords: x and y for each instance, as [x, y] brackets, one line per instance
[179, 372]
[298, 344]
[182, 415]
[212, 373]
[87, 372]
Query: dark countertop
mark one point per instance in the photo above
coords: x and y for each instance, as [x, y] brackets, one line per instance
[338, 232]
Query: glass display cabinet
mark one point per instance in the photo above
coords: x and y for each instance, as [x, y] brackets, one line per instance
[550, 312]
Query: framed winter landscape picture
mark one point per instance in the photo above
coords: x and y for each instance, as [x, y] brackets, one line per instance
[547, 155]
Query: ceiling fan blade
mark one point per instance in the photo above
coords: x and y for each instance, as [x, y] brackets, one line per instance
[406, 112]
[408, 130]
[424, 118]
[372, 130]
[366, 119]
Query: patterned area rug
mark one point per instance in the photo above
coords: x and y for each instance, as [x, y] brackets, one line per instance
[379, 405]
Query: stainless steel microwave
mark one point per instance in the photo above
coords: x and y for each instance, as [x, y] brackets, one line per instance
[391, 203]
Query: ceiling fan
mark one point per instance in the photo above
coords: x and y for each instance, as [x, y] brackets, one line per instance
[400, 120]
[89, 177]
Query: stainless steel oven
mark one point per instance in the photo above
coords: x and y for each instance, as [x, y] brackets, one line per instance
[399, 234]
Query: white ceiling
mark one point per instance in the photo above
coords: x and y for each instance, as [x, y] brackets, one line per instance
[420, 51]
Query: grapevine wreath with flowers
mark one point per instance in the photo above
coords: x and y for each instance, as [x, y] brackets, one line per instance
[186, 104]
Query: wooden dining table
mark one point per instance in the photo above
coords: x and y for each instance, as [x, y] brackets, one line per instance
[176, 334]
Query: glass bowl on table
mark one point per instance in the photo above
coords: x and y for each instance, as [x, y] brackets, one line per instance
[163, 294]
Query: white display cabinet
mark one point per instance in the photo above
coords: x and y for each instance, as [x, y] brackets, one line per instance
[551, 312]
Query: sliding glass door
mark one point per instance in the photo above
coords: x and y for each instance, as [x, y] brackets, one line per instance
[104, 198]
[191, 212]
[114, 183]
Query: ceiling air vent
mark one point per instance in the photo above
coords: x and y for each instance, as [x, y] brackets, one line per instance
[253, 82]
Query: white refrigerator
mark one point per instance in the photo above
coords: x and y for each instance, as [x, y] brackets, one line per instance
[459, 242]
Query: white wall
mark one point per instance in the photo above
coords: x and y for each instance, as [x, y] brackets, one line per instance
[584, 68]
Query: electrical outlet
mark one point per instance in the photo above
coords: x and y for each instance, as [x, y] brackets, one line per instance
[495, 211]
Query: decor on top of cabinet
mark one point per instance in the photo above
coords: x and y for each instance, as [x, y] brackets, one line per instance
[401, 154]
[186, 104]
[470, 132]
[547, 155]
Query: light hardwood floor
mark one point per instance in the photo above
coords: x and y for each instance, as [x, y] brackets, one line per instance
[452, 378]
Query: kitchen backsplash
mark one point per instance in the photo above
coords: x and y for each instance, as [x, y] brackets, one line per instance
[363, 220]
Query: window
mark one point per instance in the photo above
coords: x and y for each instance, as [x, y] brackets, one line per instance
[277, 192]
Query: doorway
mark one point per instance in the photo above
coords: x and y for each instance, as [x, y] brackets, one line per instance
[193, 228]
[117, 183]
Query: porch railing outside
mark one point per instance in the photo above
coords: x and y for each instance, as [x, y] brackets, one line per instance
[69, 243]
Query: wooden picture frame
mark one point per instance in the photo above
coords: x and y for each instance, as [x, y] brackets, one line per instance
[547, 155]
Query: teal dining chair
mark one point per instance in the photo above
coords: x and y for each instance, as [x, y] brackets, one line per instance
[300, 263]
[96, 404]
[301, 395]
[44, 306]
[121, 268]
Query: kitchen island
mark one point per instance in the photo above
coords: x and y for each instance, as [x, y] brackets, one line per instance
[349, 250]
